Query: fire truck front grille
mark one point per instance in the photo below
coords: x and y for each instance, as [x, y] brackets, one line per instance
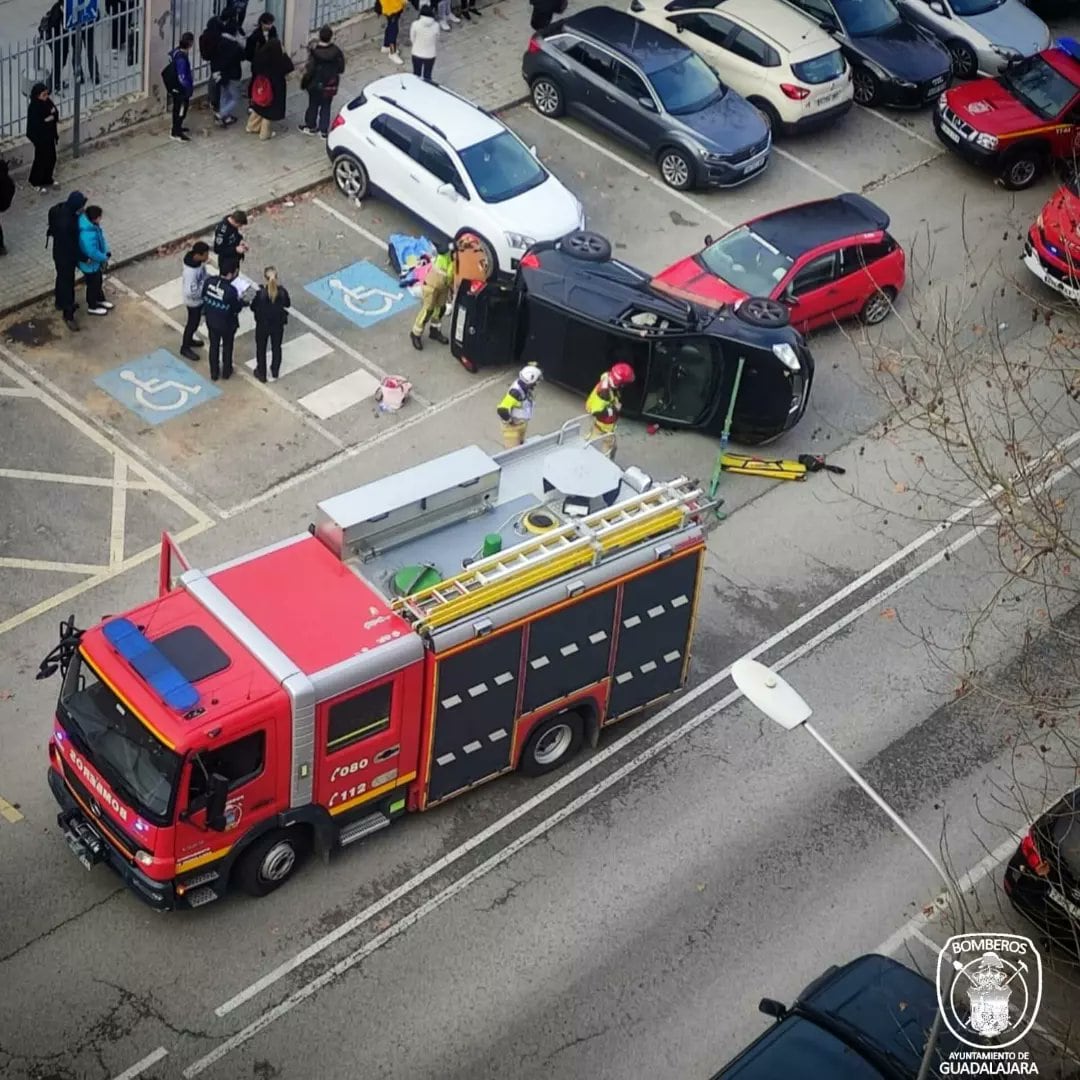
[88, 799]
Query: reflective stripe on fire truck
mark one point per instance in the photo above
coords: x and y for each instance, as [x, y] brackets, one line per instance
[374, 793]
[194, 861]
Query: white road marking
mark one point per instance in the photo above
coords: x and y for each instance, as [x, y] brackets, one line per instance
[378, 241]
[48, 566]
[64, 478]
[16, 391]
[879, 115]
[119, 511]
[141, 1066]
[630, 737]
[358, 448]
[810, 169]
[167, 296]
[700, 207]
[341, 394]
[264, 388]
[297, 353]
[931, 946]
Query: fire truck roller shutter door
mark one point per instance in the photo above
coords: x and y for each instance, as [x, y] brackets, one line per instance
[476, 699]
[654, 634]
[568, 650]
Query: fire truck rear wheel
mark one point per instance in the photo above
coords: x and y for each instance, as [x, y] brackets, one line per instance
[271, 861]
[554, 742]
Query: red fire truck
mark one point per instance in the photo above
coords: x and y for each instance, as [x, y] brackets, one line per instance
[430, 631]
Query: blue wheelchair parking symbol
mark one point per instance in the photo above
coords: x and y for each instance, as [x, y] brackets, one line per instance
[157, 387]
[362, 293]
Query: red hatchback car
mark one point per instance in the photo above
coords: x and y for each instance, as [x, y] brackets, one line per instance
[827, 260]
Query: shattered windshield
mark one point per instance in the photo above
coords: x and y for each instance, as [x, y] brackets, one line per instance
[137, 765]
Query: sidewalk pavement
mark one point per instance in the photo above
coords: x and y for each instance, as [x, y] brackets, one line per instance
[155, 191]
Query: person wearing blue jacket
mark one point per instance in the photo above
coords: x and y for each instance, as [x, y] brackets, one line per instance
[180, 84]
[94, 255]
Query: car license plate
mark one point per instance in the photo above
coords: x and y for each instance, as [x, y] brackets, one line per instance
[750, 166]
[1065, 903]
[949, 133]
[936, 87]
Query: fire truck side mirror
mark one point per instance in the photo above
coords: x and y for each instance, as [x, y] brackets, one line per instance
[216, 796]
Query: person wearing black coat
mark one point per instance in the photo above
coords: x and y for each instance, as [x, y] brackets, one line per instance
[64, 233]
[7, 194]
[263, 32]
[221, 310]
[42, 129]
[270, 61]
[543, 11]
[271, 310]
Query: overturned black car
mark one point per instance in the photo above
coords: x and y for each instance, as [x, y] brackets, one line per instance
[576, 311]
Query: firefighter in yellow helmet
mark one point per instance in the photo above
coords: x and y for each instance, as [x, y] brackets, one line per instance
[434, 296]
[515, 409]
[605, 403]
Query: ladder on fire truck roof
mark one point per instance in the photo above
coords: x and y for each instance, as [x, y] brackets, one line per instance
[577, 544]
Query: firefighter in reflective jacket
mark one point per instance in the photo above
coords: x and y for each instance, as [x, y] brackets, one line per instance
[605, 403]
[515, 409]
[434, 296]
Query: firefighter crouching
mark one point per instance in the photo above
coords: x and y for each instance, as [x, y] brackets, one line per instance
[605, 403]
[434, 296]
[515, 409]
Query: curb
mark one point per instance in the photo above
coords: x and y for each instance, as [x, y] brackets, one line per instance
[211, 222]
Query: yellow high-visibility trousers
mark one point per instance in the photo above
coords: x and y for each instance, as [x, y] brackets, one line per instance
[513, 432]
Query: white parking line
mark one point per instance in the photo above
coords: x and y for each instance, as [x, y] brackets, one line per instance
[141, 1066]
[119, 512]
[631, 736]
[810, 169]
[700, 207]
[377, 241]
[901, 127]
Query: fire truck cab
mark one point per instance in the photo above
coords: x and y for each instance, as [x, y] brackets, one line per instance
[430, 631]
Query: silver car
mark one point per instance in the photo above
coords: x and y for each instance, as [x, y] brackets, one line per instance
[981, 35]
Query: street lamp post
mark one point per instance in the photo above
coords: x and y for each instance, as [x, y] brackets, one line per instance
[780, 702]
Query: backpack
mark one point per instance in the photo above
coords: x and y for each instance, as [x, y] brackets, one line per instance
[262, 93]
[170, 77]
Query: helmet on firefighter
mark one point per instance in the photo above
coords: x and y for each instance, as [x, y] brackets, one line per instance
[530, 374]
[621, 374]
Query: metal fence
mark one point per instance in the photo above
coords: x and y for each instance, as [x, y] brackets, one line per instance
[193, 15]
[111, 63]
[329, 12]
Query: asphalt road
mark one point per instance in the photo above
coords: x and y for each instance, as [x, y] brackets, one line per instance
[620, 919]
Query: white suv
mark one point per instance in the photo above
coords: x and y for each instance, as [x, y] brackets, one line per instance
[452, 164]
[777, 59]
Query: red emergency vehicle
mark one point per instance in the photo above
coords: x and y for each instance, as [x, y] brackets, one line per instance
[1052, 248]
[1019, 124]
[431, 630]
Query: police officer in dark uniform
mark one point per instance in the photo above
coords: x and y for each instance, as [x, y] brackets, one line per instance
[221, 309]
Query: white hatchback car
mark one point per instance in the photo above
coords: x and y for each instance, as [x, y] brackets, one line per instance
[777, 59]
[452, 164]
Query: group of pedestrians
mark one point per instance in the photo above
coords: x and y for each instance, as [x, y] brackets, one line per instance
[216, 299]
[424, 32]
[78, 243]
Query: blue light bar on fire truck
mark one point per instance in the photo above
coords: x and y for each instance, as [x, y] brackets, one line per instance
[151, 663]
[1069, 46]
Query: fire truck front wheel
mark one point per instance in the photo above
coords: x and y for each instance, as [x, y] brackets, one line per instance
[271, 861]
[554, 742]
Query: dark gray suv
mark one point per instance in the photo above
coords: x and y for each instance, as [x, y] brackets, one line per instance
[645, 87]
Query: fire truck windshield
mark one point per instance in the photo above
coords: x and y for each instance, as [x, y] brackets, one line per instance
[136, 764]
[1040, 86]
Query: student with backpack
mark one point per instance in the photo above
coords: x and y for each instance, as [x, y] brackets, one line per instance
[230, 59]
[63, 231]
[209, 44]
[321, 79]
[271, 310]
[7, 194]
[180, 85]
[269, 69]
[221, 309]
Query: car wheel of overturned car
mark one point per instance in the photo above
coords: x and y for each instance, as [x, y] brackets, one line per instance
[763, 311]
[878, 307]
[586, 246]
[865, 85]
[547, 98]
[271, 861]
[965, 64]
[1021, 170]
[676, 169]
[351, 177]
[553, 743]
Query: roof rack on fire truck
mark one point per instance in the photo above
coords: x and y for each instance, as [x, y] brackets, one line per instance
[580, 543]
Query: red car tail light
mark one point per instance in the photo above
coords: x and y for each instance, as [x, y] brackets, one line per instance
[529, 261]
[534, 44]
[337, 122]
[1032, 856]
[796, 93]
